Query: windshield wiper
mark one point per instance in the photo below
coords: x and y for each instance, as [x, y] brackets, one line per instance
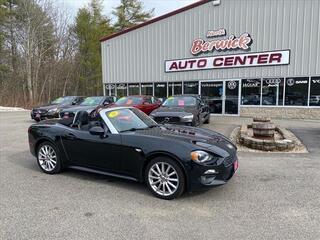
[133, 129]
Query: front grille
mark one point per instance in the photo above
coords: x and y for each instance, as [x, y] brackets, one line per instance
[167, 119]
[35, 111]
[69, 114]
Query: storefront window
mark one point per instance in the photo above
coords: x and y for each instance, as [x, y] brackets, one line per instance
[121, 89]
[191, 88]
[147, 89]
[112, 89]
[175, 88]
[134, 89]
[250, 91]
[212, 93]
[315, 91]
[272, 89]
[297, 91]
[160, 90]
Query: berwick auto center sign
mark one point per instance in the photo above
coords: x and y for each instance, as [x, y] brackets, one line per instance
[232, 42]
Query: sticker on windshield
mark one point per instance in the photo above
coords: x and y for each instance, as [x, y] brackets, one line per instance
[113, 114]
[170, 98]
[129, 102]
[181, 102]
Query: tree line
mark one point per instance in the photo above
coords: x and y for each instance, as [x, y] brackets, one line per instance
[45, 54]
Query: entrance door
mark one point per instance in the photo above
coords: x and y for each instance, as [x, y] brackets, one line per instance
[231, 101]
[212, 93]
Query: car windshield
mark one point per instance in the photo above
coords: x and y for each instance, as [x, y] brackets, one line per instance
[63, 100]
[129, 119]
[91, 101]
[180, 101]
[129, 101]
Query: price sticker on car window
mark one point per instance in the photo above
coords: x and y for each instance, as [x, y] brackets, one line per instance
[129, 102]
[181, 102]
[170, 98]
[113, 114]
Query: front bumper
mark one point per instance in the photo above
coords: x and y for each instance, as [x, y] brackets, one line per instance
[43, 115]
[203, 176]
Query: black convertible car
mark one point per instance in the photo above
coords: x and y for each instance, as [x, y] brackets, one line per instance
[183, 109]
[126, 143]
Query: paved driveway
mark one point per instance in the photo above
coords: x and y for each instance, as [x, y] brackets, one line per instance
[273, 196]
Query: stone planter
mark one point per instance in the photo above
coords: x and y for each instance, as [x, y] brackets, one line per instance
[263, 129]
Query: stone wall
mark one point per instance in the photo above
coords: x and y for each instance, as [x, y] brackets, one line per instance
[281, 112]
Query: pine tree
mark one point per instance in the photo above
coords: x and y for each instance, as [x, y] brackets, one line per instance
[130, 13]
[89, 27]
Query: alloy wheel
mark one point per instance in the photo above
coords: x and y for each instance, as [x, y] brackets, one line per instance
[163, 178]
[47, 158]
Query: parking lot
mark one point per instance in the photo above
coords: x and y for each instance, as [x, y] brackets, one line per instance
[272, 196]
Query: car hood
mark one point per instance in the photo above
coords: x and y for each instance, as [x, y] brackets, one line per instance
[201, 138]
[170, 111]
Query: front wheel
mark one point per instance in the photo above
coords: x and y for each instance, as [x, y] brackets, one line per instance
[48, 158]
[165, 178]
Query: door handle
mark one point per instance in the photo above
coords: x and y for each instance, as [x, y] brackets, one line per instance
[70, 136]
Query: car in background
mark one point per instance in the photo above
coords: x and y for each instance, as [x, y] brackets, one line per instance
[90, 104]
[183, 109]
[53, 109]
[127, 143]
[314, 100]
[143, 102]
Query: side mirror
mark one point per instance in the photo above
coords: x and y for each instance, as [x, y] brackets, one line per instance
[98, 131]
[74, 102]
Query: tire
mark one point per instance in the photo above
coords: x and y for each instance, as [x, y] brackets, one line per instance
[196, 122]
[207, 121]
[175, 172]
[48, 158]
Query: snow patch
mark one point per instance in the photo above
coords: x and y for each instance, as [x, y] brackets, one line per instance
[11, 109]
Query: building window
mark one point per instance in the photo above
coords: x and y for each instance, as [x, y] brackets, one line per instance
[134, 88]
[191, 88]
[121, 89]
[147, 89]
[272, 90]
[250, 91]
[297, 91]
[112, 88]
[315, 91]
[212, 93]
[160, 90]
[175, 88]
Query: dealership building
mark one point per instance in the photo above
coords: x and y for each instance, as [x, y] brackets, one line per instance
[245, 58]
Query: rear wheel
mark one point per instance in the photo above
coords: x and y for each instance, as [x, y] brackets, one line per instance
[48, 158]
[207, 121]
[165, 178]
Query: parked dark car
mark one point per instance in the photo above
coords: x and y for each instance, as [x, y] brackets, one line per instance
[127, 143]
[145, 103]
[183, 109]
[89, 104]
[53, 109]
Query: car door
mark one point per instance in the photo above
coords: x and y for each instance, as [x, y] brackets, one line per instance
[85, 149]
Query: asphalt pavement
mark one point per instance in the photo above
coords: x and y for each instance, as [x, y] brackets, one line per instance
[272, 196]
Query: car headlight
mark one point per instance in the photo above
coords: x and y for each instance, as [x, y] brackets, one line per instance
[188, 117]
[200, 156]
[53, 110]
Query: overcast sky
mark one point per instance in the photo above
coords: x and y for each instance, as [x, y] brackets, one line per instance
[161, 6]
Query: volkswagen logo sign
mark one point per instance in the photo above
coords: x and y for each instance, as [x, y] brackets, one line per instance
[290, 82]
[232, 85]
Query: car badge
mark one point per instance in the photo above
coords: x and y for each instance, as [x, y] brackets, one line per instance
[166, 120]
